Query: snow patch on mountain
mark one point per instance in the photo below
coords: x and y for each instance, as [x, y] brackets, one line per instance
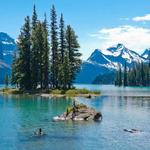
[7, 49]
[107, 60]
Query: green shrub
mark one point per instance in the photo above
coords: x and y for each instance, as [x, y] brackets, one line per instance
[96, 92]
[15, 91]
[71, 92]
[83, 91]
[11, 91]
[56, 91]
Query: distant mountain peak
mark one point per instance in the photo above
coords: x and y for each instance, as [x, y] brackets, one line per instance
[118, 47]
[6, 39]
[146, 54]
[107, 60]
[7, 48]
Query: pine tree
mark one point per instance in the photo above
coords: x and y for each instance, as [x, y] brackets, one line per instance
[119, 76]
[14, 70]
[6, 81]
[34, 18]
[66, 72]
[31, 66]
[24, 46]
[39, 42]
[34, 52]
[134, 76]
[147, 76]
[61, 53]
[62, 42]
[45, 55]
[139, 75]
[125, 74]
[142, 74]
[54, 49]
[72, 47]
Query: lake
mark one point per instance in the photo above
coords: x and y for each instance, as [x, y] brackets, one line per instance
[122, 108]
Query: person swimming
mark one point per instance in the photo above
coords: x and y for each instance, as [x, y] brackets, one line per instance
[39, 132]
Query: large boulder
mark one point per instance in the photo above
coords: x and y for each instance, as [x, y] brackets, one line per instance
[79, 112]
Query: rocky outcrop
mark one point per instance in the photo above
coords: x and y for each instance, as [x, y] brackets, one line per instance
[79, 112]
[132, 130]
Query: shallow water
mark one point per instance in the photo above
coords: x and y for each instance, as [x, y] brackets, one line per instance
[20, 116]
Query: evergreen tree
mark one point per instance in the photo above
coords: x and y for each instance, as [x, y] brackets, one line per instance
[62, 39]
[31, 66]
[54, 49]
[66, 72]
[39, 42]
[72, 47]
[14, 70]
[119, 76]
[24, 46]
[125, 74]
[45, 55]
[148, 75]
[142, 74]
[6, 81]
[34, 52]
[34, 18]
[138, 75]
[61, 53]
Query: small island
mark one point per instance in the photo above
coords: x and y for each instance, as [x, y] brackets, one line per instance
[79, 112]
[44, 67]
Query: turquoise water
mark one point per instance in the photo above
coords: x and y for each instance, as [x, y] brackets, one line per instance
[122, 108]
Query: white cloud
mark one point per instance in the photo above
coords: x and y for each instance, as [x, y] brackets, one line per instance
[142, 18]
[135, 38]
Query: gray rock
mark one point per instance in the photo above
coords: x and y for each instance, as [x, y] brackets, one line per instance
[79, 112]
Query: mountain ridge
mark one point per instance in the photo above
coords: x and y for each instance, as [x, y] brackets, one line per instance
[7, 49]
[106, 61]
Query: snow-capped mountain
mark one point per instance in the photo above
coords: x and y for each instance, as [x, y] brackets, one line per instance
[107, 60]
[7, 49]
[146, 54]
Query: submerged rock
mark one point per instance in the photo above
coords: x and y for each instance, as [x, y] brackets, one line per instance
[79, 112]
[132, 130]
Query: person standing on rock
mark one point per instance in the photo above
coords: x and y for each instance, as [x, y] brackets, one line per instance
[74, 110]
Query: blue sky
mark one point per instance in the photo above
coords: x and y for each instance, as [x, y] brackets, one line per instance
[98, 23]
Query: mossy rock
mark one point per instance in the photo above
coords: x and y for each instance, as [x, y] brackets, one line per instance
[78, 106]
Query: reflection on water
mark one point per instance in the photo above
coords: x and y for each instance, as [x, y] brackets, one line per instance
[20, 116]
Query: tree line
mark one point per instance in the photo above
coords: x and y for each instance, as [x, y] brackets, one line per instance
[138, 75]
[46, 59]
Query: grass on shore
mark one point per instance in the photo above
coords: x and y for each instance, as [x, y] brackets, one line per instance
[55, 92]
[11, 91]
[74, 92]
